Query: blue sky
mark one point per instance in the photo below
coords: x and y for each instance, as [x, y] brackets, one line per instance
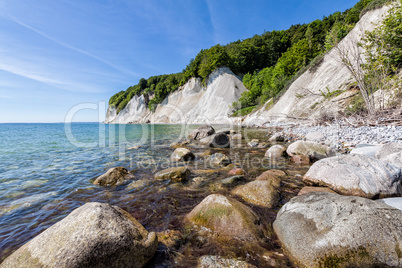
[57, 54]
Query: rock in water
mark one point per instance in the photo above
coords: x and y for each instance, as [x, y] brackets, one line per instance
[219, 140]
[175, 174]
[114, 176]
[93, 235]
[330, 230]
[227, 217]
[262, 193]
[182, 154]
[276, 151]
[201, 133]
[219, 159]
[358, 175]
[313, 150]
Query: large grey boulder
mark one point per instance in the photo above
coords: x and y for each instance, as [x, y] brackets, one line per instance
[201, 133]
[355, 174]
[114, 176]
[389, 148]
[227, 217]
[182, 154]
[394, 159]
[330, 230]
[312, 150]
[93, 235]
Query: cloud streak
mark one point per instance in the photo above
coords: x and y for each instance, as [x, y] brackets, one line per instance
[63, 44]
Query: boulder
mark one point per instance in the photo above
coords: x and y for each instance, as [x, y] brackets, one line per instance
[220, 262]
[315, 136]
[175, 174]
[330, 230]
[312, 150]
[93, 235]
[276, 151]
[237, 171]
[308, 189]
[355, 174]
[114, 176]
[262, 193]
[394, 159]
[277, 137]
[182, 154]
[366, 149]
[201, 133]
[227, 217]
[389, 148]
[395, 202]
[219, 160]
[218, 140]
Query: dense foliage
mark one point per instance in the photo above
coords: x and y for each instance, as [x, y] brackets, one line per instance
[267, 61]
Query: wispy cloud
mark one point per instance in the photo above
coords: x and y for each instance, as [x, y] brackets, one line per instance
[213, 21]
[68, 46]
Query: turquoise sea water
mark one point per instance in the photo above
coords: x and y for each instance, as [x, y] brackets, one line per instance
[46, 170]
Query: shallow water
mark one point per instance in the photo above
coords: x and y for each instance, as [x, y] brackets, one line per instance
[46, 172]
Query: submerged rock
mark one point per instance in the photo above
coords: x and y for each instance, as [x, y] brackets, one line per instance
[93, 235]
[231, 181]
[330, 230]
[182, 154]
[358, 175]
[220, 262]
[227, 217]
[175, 174]
[114, 176]
[312, 150]
[201, 133]
[273, 175]
[219, 159]
[262, 193]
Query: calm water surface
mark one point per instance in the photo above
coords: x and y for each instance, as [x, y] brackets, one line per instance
[46, 171]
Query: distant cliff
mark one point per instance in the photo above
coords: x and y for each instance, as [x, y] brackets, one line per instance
[192, 103]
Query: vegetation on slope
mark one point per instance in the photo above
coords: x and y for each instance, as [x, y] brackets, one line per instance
[268, 61]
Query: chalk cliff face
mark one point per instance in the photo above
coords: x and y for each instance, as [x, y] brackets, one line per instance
[191, 104]
[304, 98]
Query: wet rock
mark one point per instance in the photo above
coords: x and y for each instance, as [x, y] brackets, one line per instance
[175, 174]
[273, 175]
[227, 217]
[308, 189]
[182, 154]
[219, 159]
[219, 140]
[201, 133]
[330, 230]
[395, 202]
[262, 193]
[220, 262]
[231, 181]
[276, 151]
[277, 137]
[93, 235]
[237, 171]
[196, 183]
[312, 150]
[263, 145]
[114, 176]
[366, 149]
[355, 174]
[138, 184]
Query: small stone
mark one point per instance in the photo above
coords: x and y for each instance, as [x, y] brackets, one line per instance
[219, 159]
[175, 174]
[276, 151]
[237, 171]
[114, 176]
[182, 154]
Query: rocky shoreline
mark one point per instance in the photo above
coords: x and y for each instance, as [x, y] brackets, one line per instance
[348, 211]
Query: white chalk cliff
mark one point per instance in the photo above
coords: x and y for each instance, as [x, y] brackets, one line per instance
[193, 103]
